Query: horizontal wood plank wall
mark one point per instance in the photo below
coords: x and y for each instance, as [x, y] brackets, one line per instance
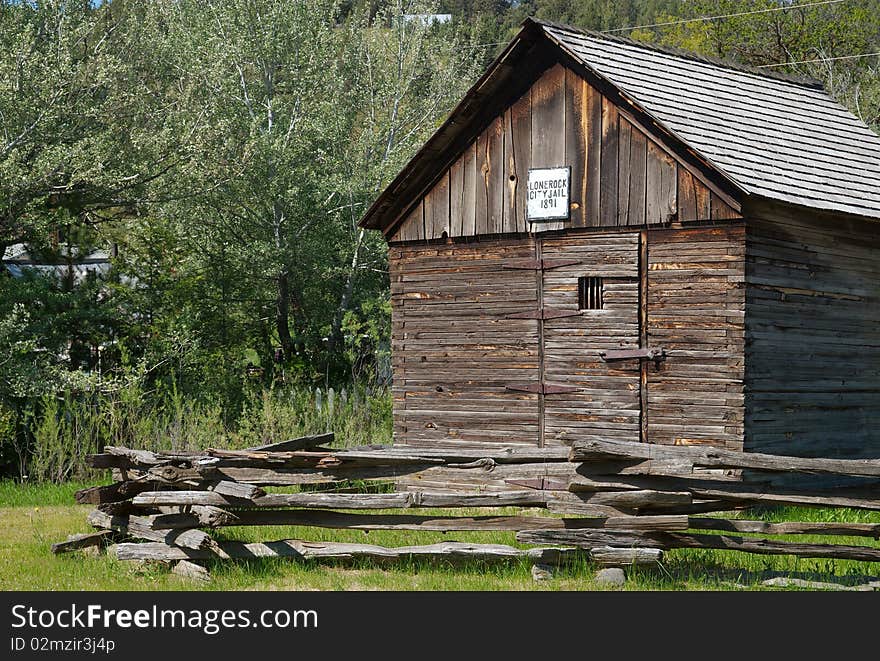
[696, 301]
[620, 176]
[813, 335]
[606, 403]
[454, 349]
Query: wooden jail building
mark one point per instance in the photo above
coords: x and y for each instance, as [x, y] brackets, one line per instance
[611, 240]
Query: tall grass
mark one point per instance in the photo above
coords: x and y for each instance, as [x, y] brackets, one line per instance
[357, 415]
[69, 428]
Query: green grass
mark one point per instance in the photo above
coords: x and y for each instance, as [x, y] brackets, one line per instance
[32, 517]
[15, 494]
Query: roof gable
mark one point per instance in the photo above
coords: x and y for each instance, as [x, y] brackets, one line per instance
[619, 174]
[741, 133]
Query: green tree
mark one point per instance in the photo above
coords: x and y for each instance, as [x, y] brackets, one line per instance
[767, 32]
[404, 78]
[259, 84]
[75, 131]
[293, 117]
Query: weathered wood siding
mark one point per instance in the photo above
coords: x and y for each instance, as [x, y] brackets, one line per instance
[620, 175]
[696, 301]
[812, 335]
[475, 324]
[454, 350]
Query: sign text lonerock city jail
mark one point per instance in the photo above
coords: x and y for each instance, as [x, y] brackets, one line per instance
[548, 194]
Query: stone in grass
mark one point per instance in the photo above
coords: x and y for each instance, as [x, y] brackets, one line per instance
[191, 570]
[611, 577]
[144, 567]
[542, 572]
[785, 582]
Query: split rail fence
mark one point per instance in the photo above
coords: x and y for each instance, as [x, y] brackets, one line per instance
[621, 503]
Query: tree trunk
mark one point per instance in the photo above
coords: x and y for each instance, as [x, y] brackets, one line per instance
[336, 328]
[282, 304]
[282, 314]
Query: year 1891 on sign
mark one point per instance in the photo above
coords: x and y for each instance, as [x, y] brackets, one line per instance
[547, 194]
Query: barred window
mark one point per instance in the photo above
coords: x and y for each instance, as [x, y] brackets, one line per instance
[590, 293]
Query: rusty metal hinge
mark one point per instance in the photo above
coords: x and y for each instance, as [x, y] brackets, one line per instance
[538, 264]
[545, 313]
[541, 388]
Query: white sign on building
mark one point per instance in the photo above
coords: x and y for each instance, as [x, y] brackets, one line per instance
[548, 194]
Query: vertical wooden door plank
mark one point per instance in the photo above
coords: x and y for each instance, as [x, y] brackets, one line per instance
[429, 213]
[456, 192]
[495, 181]
[576, 144]
[652, 190]
[481, 202]
[518, 157]
[508, 201]
[661, 186]
[687, 195]
[608, 166]
[668, 187]
[594, 156]
[548, 128]
[469, 190]
[638, 156]
[623, 172]
[437, 204]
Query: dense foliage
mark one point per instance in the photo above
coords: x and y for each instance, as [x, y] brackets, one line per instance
[222, 153]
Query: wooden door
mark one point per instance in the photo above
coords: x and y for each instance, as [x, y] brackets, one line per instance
[590, 305]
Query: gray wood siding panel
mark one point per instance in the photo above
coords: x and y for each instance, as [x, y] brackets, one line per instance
[437, 213]
[518, 153]
[661, 186]
[495, 176]
[577, 144]
[481, 199]
[813, 335]
[608, 165]
[456, 197]
[633, 160]
[548, 130]
[469, 191]
[594, 157]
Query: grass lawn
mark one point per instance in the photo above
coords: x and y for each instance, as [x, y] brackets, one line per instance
[33, 517]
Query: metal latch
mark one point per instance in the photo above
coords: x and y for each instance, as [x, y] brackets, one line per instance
[648, 353]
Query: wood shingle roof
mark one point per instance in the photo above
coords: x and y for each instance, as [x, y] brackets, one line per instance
[772, 137]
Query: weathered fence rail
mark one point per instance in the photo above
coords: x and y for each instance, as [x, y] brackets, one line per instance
[621, 503]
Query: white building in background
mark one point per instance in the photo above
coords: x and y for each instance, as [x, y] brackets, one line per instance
[427, 19]
[76, 267]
